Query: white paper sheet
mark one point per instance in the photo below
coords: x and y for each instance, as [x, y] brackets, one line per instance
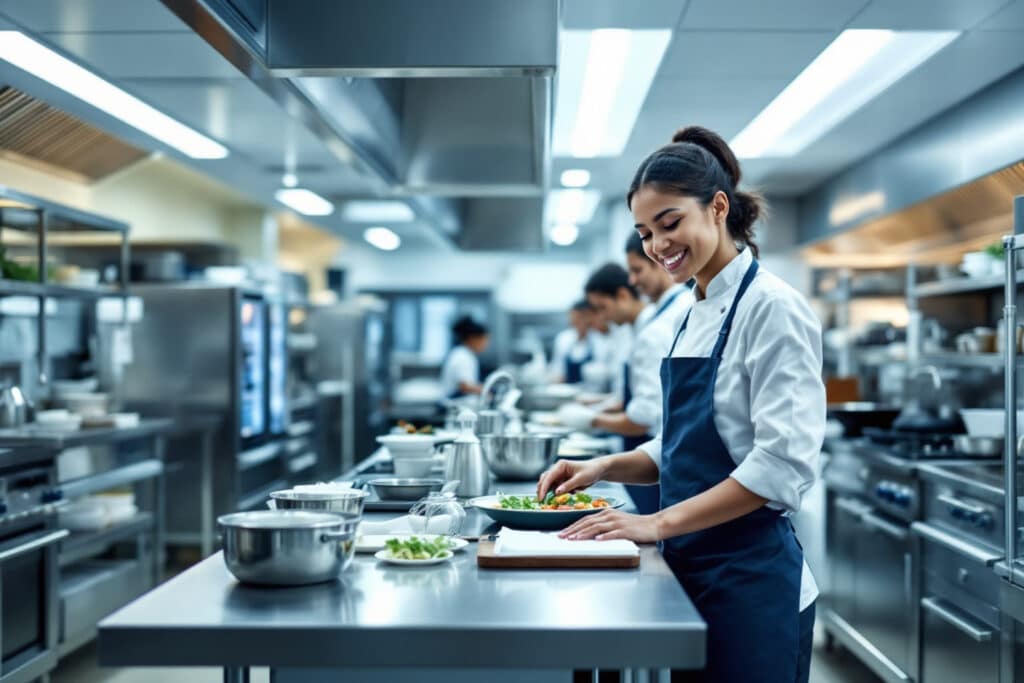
[512, 543]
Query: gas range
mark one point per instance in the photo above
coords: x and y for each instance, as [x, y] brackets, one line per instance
[966, 500]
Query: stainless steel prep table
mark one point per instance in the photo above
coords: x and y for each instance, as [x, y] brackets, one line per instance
[378, 617]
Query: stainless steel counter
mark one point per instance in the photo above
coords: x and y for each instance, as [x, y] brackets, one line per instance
[452, 616]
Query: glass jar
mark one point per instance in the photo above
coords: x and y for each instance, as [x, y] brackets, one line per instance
[434, 506]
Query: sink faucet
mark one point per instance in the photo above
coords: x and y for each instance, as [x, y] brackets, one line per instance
[932, 372]
[494, 388]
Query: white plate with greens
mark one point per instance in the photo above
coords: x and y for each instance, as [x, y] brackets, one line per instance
[416, 550]
[375, 543]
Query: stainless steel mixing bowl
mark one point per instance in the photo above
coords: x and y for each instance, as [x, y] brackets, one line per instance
[288, 547]
[520, 456]
[398, 488]
[350, 501]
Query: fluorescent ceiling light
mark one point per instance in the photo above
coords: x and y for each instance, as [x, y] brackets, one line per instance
[564, 234]
[849, 208]
[374, 211]
[575, 177]
[854, 69]
[603, 79]
[304, 201]
[42, 62]
[382, 238]
[570, 206]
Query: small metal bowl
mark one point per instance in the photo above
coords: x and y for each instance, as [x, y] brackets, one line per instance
[342, 501]
[393, 488]
[984, 446]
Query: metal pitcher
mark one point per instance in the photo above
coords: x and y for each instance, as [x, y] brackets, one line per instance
[14, 407]
[465, 461]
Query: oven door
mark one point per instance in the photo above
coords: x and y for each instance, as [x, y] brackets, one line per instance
[28, 599]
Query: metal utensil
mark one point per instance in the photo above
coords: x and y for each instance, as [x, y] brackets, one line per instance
[467, 464]
[490, 422]
[520, 456]
[394, 488]
[987, 446]
[14, 406]
[350, 501]
[287, 547]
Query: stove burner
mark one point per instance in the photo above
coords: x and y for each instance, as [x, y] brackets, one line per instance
[912, 444]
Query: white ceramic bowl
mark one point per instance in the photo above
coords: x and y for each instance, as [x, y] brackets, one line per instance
[408, 445]
[989, 422]
[413, 468]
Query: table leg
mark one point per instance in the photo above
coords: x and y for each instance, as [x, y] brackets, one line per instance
[236, 674]
[206, 495]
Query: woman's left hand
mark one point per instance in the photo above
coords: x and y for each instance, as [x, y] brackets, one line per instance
[611, 524]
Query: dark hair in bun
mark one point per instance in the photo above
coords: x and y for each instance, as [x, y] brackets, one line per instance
[466, 328]
[698, 163]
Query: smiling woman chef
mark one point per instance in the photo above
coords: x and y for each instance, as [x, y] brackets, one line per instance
[742, 424]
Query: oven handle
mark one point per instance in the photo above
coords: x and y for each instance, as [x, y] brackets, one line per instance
[40, 541]
[978, 635]
[851, 506]
[951, 542]
[870, 519]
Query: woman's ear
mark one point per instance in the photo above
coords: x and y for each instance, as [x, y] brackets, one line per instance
[720, 206]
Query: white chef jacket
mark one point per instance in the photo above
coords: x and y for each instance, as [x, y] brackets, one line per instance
[460, 366]
[569, 345]
[769, 398]
[676, 311]
[650, 344]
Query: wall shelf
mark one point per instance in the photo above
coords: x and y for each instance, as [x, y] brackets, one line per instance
[966, 285]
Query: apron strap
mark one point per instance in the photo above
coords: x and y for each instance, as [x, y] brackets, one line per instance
[723, 334]
[682, 328]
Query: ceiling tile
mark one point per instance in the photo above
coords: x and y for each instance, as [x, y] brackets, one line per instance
[593, 14]
[1009, 18]
[91, 15]
[924, 15]
[789, 15]
[145, 55]
[742, 54]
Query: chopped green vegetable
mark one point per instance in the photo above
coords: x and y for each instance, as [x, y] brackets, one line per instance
[416, 548]
[551, 502]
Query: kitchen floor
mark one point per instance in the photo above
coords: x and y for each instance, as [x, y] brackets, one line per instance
[836, 667]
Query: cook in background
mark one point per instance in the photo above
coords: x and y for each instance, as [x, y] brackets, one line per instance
[743, 423]
[636, 413]
[669, 300]
[577, 345]
[460, 374]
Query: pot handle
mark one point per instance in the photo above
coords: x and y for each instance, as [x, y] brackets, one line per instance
[330, 536]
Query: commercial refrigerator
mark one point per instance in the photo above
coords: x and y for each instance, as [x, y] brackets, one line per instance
[203, 351]
[353, 346]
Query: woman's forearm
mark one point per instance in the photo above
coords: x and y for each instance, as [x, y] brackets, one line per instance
[619, 423]
[634, 467]
[724, 502]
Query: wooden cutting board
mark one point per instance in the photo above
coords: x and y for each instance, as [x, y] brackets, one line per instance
[486, 558]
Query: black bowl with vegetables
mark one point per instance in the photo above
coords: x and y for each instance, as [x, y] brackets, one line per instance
[552, 513]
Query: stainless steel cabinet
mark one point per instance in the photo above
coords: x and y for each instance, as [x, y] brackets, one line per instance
[957, 646]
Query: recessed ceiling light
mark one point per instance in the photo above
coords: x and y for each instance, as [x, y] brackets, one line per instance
[382, 238]
[603, 79]
[377, 211]
[42, 62]
[289, 180]
[574, 207]
[854, 69]
[564, 234]
[575, 177]
[304, 201]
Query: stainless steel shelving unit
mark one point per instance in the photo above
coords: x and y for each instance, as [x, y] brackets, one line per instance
[27, 213]
[965, 285]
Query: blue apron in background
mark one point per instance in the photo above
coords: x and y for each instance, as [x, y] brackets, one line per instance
[744, 575]
[645, 498]
[574, 369]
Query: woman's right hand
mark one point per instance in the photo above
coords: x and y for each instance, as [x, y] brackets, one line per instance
[568, 475]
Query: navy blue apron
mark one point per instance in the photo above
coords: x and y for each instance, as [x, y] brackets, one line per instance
[744, 575]
[645, 498]
[574, 369]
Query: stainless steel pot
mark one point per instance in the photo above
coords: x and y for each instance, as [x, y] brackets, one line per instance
[520, 456]
[14, 407]
[287, 547]
[395, 488]
[351, 501]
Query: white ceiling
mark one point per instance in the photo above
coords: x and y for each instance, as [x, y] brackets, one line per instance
[727, 60]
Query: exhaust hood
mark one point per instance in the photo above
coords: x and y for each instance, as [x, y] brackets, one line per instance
[450, 98]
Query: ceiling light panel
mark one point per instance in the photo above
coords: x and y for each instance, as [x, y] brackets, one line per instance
[574, 207]
[304, 201]
[603, 80]
[373, 211]
[35, 58]
[575, 177]
[854, 69]
[384, 239]
[565, 234]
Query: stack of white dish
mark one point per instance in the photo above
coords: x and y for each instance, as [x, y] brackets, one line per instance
[92, 513]
[59, 420]
[412, 454]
